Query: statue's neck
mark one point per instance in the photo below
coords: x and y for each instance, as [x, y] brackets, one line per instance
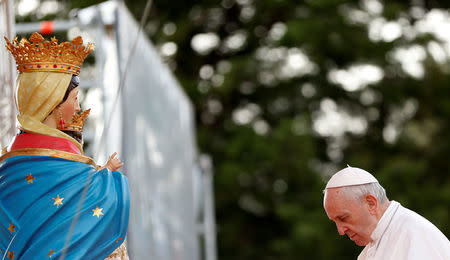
[31, 140]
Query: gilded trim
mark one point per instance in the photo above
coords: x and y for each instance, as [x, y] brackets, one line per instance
[120, 253]
[51, 153]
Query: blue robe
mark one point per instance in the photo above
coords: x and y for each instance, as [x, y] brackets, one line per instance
[40, 201]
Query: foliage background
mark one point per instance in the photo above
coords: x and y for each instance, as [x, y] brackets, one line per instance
[288, 92]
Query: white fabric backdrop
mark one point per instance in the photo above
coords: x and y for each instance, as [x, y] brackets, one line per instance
[159, 150]
[7, 74]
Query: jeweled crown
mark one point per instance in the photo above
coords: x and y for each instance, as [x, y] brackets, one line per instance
[38, 54]
[78, 121]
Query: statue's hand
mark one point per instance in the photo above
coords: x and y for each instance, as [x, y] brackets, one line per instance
[113, 163]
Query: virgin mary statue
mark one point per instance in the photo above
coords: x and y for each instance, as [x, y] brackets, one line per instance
[54, 201]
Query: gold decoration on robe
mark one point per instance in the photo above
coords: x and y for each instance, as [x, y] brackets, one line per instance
[119, 254]
[29, 178]
[58, 201]
[50, 253]
[11, 255]
[12, 228]
[97, 212]
[51, 153]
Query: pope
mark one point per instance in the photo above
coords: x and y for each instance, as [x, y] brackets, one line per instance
[358, 205]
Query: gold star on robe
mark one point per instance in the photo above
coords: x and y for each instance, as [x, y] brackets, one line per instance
[11, 255]
[29, 178]
[97, 212]
[50, 253]
[12, 228]
[58, 201]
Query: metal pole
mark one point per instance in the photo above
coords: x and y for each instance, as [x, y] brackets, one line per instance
[58, 26]
[209, 212]
[11, 29]
[7, 76]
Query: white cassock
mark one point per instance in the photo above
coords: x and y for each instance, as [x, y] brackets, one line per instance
[402, 234]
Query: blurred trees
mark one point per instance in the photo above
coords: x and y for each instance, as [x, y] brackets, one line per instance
[288, 92]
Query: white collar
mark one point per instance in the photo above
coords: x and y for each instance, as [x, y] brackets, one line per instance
[384, 222]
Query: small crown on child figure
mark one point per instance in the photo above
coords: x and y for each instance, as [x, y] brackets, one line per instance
[78, 121]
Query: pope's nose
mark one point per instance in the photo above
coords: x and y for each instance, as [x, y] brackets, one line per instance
[341, 230]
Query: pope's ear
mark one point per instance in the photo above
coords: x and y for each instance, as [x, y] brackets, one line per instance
[372, 203]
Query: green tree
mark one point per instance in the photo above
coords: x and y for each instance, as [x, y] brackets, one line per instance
[288, 92]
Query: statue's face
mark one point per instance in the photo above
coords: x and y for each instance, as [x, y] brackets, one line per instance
[70, 107]
[352, 218]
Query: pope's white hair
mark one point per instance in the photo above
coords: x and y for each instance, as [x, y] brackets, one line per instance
[357, 192]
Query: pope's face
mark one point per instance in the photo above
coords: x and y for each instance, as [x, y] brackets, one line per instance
[69, 107]
[352, 217]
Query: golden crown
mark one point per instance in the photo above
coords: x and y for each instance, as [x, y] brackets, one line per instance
[78, 121]
[39, 55]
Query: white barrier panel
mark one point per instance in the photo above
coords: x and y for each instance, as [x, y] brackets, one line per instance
[159, 150]
[7, 75]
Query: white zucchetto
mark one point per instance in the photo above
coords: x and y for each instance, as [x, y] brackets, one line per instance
[350, 176]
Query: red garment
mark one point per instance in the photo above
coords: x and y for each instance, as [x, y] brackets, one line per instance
[31, 140]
